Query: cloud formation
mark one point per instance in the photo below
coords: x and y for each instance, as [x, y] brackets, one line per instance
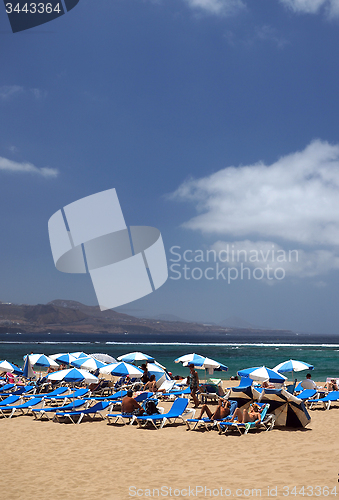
[9, 91]
[313, 6]
[218, 7]
[25, 167]
[294, 199]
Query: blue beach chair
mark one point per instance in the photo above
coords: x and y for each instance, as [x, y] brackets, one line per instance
[90, 412]
[23, 408]
[206, 422]
[243, 428]
[40, 413]
[331, 397]
[114, 417]
[176, 411]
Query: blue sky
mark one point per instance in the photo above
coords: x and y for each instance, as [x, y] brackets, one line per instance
[215, 120]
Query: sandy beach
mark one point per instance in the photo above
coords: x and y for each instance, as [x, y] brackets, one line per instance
[119, 462]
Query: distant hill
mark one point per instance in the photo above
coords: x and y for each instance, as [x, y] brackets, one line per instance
[235, 322]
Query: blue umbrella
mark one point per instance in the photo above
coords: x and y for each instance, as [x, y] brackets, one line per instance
[262, 374]
[132, 357]
[201, 362]
[28, 370]
[292, 366]
[42, 360]
[122, 369]
[88, 363]
[73, 375]
[65, 358]
[9, 367]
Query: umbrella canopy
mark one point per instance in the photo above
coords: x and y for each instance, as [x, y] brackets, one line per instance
[200, 362]
[292, 366]
[88, 363]
[105, 358]
[73, 375]
[289, 411]
[160, 374]
[28, 369]
[42, 360]
[79, 354]
[243, 396]
[6, 366]
[133, 357]
[122, 369]
[65, 358]
[262, 374]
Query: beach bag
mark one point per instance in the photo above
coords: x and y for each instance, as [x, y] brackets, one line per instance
[151, 406]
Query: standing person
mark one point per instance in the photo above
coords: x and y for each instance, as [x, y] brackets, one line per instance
[194, 384]
[145, 376]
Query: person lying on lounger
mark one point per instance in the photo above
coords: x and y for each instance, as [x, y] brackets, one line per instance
[251, 415]
[221, 412]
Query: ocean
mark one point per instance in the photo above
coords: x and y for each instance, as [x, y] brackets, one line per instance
[237, 351]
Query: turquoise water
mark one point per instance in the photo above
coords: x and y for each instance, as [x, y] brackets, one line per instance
[237, 356]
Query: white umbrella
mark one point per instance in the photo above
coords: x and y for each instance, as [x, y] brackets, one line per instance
[88, 363]
[292, 365]
[122, 369]
[132, 357]
[42, 360]
[160, 374]
[73, 375]
[65, 358]
[262, 374]
[9, 367]
[105, 358]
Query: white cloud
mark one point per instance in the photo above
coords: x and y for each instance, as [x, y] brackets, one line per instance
[295, 262]
[294, 199]
[25, 167]
[218, 7]
[313, 6]
[9, 91]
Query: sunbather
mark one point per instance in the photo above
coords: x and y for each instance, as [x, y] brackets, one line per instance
[151, 385]
[251, 415]
[129, 404]
[332, 385]
[222, 411]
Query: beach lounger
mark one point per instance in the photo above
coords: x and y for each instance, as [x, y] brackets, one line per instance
[23, 408]
[90, 412]
[206, 422]
[177, 410]
[40, 413]
[307, 394]
[128, 416]
[7, 387]
[331, 397]
[60, 391]
[10, 400]
[114, 397]
[78, 394]
[267, 422]
[177, 394]
[23, 390]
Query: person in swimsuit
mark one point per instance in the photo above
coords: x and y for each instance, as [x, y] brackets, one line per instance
[194, 384]
[221, 412]
[251, 415]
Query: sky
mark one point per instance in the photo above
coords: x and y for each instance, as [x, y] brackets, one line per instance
[216, 121]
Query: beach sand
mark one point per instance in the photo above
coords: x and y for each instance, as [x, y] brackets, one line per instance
[115, 462]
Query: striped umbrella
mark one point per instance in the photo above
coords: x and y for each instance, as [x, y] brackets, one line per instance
[289, 410]
[133, 357]
[88, 363]
[73, 375]
[292, 365]
[262, 374]
[122, 369]
[42, 360]
[65, 358]
[6, 366]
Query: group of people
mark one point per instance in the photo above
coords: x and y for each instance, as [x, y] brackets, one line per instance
[308, 383]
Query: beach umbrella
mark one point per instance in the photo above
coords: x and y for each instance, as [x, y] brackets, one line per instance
[122, 370]
[133, 357]
[79, 354]
[73, 375]
[289, 410]
[6, 366]
[243, 396]
[200, 362]
[105, 358]
[28, 369]
[88, 363]
[42, 360]
[292, 366]
[262, 374]
[160, 373]
[64, 358]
